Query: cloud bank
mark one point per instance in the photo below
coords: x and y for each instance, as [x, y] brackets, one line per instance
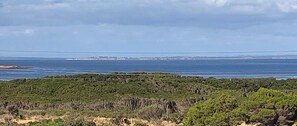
[148, 25]
[143, 12]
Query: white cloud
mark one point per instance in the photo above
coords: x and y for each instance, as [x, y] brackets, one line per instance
[250, 6]
[218, 3]
[287, 6]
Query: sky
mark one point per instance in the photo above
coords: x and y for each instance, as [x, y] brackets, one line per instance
[66, 28]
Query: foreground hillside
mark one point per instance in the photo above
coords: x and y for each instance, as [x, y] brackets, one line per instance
[147, 99]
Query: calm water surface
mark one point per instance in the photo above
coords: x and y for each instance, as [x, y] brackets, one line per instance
[205, 68]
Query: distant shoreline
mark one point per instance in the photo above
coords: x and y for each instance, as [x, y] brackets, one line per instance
[106, 58]
[162, 58]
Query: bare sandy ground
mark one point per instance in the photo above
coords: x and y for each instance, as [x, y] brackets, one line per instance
[244, 124]
[100, 121]
[97, 120]
[29, 119]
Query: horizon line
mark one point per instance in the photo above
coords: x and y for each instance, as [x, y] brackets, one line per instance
[238, 56]
[147, 52]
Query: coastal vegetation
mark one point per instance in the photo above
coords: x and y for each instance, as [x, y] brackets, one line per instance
[147, 99]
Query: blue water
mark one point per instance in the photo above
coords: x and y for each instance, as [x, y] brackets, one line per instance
[205, 68]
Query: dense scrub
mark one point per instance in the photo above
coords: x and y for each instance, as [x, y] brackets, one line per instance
[153, 96]
[265, 106]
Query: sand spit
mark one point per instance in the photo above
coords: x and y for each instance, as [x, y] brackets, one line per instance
[7, 67]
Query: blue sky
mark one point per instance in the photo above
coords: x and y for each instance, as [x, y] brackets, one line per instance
[146, 26]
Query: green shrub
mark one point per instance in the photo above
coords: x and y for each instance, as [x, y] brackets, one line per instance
[213, 112]
[263, 106]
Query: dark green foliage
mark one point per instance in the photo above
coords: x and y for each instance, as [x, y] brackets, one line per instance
[213, 112]
[104, 95]
[266, 106]
[97, 88]
[155, 96]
